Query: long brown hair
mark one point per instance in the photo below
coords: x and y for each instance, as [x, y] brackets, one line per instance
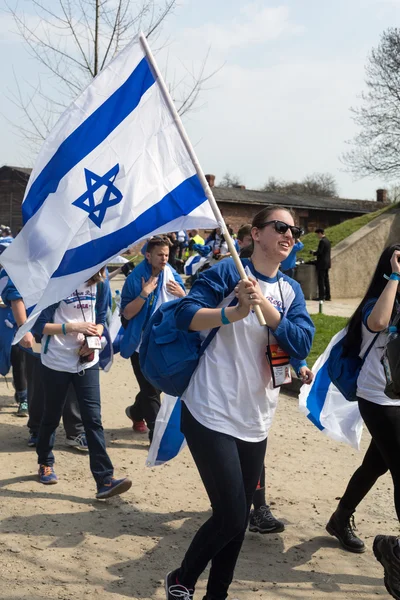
[97, 277]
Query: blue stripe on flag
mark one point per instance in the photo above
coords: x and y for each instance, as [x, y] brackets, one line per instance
[172, 438]
[181, 201]
[92, 132]
[317, 395]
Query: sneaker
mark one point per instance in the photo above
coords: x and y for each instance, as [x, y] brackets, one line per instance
[384, 548]
[263, 521]
[139, 427]
[23, 409]
[79, 442]
[47, 475]
[33, 439]
[174, 589]
[113, 487]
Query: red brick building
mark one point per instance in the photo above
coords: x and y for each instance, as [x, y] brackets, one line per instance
[237, 204]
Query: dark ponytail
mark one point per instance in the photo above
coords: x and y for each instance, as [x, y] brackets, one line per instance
[352, 341]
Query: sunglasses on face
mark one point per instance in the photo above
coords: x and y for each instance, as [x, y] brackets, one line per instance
[282, 227]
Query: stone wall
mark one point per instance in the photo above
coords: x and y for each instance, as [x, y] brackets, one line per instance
[354, 260]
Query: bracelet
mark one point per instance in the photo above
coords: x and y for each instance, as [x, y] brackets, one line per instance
[64, 328]
[395, 276]
[142, 297]
[224, 318]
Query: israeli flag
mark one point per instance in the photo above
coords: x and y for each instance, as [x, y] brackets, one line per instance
[115, 170]
[168, 440]
[193, 264]
[326, 407]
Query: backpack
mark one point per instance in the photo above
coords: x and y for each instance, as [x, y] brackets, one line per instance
[169, 356]
[343, 371]
[391, 361]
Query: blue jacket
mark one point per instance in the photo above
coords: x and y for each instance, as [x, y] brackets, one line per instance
[290, 261]
[294, 333]
[130, 291]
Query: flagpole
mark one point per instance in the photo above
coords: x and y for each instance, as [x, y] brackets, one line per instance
[199, 170]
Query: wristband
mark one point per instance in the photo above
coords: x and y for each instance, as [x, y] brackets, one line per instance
[224, 318]
[64, 328]
[395, 276]
[142, 297]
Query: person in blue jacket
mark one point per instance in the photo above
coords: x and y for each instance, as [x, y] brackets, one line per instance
[150, 284]
[289, 264]
[71, 333]
[230, 402]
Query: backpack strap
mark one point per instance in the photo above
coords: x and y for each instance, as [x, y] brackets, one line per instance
[370, 347]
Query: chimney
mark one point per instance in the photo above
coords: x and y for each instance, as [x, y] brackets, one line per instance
[240, 187]
[381, 196]
[211, 180]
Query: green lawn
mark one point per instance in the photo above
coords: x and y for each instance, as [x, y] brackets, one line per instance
[338, 233]
[326, 327]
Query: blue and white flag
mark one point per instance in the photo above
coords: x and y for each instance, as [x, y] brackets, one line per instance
[193, 264]
[325, 406]
[113, 171]
[168, 440]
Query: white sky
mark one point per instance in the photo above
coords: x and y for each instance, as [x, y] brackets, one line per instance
[280, 104]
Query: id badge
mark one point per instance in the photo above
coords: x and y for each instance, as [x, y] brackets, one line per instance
[93, 342]
[279, 362]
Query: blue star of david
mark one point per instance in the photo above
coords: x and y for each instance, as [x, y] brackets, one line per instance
[112, 195]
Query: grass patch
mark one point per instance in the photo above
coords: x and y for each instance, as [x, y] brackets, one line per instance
[325, 328]
[338, 233]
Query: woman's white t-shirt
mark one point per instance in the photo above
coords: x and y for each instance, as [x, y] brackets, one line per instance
[371, 381]
[231, 390]
[61, 352]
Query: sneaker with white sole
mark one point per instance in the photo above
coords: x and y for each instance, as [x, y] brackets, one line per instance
[174, 589]
[47, 475]
[79, 442]
[23, 409]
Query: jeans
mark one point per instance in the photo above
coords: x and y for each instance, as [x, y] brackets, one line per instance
[324, 288]
[383, 454]
[147, 403]
[230, 470]
[18, 368]
[87, 388]
[71, 415]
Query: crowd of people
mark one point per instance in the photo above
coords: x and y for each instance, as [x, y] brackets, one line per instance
[230, 402]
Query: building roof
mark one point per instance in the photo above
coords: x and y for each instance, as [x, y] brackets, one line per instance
[243, 196]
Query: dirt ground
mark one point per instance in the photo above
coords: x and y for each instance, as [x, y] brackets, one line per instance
[58, 542]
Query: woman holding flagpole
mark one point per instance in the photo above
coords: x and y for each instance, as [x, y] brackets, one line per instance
[229, 405]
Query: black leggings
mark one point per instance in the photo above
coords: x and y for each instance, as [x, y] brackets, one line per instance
[230, 470]
[383, 454]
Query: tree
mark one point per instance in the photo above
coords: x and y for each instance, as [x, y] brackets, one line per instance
[376, 147]
[74, 40]
[317, 184]
[230, 181]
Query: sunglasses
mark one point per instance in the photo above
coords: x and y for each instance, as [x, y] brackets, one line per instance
[282, 227]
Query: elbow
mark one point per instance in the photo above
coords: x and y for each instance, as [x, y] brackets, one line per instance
[376, 324]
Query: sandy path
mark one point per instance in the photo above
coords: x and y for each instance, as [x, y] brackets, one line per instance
[60, 543]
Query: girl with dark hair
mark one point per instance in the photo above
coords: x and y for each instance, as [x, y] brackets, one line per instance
[369, 325]
[229, 405]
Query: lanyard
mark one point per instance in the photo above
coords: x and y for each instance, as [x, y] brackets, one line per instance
[80, 304]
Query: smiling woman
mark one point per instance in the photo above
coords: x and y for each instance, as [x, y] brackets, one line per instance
[230, 402]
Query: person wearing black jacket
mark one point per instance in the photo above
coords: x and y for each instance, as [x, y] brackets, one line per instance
[323, 264]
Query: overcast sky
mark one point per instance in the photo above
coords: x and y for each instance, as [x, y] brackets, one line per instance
[279, 106]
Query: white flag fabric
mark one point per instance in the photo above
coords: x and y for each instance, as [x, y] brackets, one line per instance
[113, 171]
[168, 440]
[326, 407]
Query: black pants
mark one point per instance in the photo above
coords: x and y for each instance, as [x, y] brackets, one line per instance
[230, 470]
[18, 368]
[87, 388]
[383, 454]
[324, 288]
[72, 420]
[147, 403]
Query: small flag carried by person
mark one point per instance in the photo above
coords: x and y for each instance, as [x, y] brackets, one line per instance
[168, 440]
[116, 169]
[326, 407]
